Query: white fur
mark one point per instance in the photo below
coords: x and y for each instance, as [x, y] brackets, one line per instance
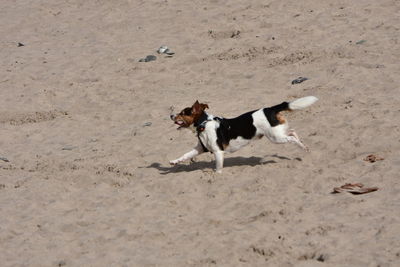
[236, 144]
[209, 136]
[191, 154]
[302, 102]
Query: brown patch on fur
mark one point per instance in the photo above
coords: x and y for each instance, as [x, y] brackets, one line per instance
[190, 115]
[280, 118]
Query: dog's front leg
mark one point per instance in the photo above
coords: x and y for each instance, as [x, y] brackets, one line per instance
[189, 155]
[219, 161]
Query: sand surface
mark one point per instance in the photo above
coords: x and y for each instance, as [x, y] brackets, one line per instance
[85, 134]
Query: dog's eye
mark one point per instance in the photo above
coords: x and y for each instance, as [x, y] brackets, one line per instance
[187, 111]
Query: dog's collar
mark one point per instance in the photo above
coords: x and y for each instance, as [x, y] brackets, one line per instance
[204, 118]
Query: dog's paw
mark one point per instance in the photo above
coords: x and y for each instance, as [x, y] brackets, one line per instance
[173, 162]
[218, 171]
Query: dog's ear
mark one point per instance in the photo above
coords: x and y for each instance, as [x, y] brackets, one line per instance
[204, 106]
[198, 107]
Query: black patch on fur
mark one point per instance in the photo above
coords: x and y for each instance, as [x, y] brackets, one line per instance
[186, 111]
[203, 118]
[233, 128]
[203, 146]
[199, 124]
[271, 112]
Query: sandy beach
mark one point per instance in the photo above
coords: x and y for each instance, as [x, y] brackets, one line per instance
[86, 138]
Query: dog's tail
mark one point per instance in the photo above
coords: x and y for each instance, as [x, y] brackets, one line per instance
[302, 102]
[294, 105]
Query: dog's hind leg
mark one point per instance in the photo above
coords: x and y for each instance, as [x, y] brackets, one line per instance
[280, 136]
[289, 139]
[297, 140]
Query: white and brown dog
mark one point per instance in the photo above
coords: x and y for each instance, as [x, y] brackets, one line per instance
[219, 135]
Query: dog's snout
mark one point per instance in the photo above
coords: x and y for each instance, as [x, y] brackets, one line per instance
[172, 116]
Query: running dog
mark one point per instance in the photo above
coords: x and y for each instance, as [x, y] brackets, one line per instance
[218, 135]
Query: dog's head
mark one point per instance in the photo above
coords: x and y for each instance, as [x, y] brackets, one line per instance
[189, 115]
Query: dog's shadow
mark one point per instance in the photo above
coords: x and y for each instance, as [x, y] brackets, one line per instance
[228, 162]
